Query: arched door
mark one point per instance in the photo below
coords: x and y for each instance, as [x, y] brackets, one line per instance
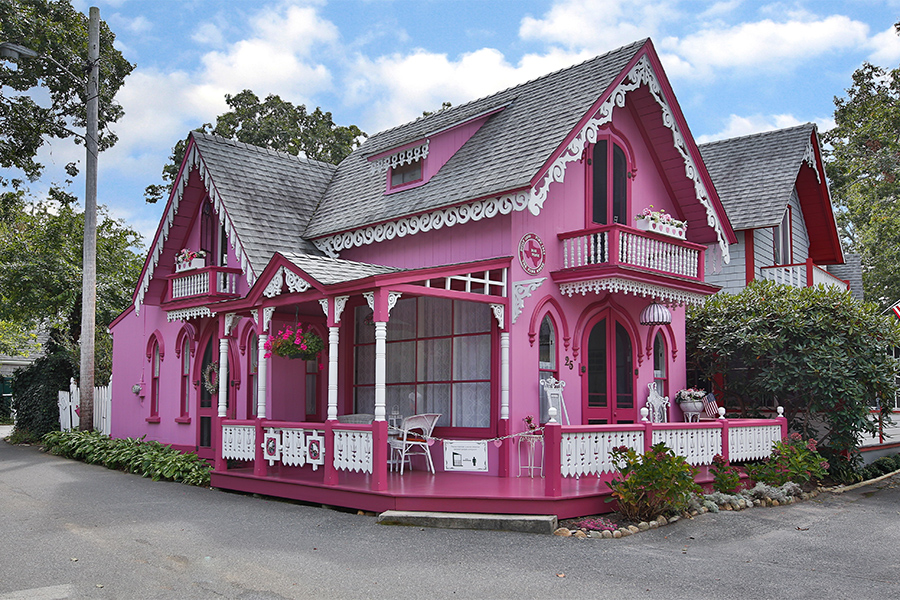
[608, 368]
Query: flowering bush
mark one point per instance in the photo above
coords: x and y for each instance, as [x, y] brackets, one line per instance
[690, 395]
[596, 524]
[659, 216]
[187, 255]
[793, 459]
[652, 484]
[726, 478]
[294, 343]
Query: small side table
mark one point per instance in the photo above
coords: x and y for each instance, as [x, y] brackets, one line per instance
[530, 441]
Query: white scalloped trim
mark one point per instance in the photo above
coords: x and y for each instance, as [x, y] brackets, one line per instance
[184, 314]
[193, 161]
[398, 159]
[627, 286]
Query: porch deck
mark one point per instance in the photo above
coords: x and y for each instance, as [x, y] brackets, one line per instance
[419, 490]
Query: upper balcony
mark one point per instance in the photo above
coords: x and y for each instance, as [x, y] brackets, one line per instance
[806, 274]
[194, 287]
[617, 249]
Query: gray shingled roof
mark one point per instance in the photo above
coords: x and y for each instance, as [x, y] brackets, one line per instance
[329, 271]
[850, 271]
[503, 155]
[269, 195]
[755, 174]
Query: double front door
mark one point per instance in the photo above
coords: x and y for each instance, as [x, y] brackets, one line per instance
[608, 369]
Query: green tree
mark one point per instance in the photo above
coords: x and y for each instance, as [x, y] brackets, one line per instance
[823, 355]
[59, 33]
[40, 269]
[275, 124]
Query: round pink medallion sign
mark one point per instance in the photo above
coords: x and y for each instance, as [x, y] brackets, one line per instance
[532, 254]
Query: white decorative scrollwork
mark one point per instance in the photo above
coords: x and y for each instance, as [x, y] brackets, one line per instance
[626, 286]
[370, 299]
[323, 302]
[353, 450]
[398, 159]
[498, 310]
[698, 446]
[184, 314]
[295, 283]
[589, 452]
[239, 442]
[274, 287]
[392, 300]
[809, 157]
[753, 442]
[193, 161]
[641, 74]
[339, 303]
[267, 313]
[231, 321]
[445, 217]
[521, 290]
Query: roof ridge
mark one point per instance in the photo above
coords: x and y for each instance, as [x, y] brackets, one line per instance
[262, 150]
[758, 134]
[636, 43]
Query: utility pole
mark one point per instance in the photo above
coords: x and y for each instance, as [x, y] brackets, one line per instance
[89, 261]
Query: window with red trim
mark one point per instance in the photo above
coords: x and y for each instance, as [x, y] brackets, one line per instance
[252, 373]
[154, 380]
[439, 360]
[660, 373]
[608, 182]
[402, 175]
[185, 377]
[783, 247]
[547, 364]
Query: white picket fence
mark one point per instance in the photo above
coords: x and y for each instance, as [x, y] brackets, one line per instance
[70, 401]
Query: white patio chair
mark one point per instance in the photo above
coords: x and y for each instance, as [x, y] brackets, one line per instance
[657, 405]
[413, 439]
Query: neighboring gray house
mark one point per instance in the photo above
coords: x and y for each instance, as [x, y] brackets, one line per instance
[774, 191]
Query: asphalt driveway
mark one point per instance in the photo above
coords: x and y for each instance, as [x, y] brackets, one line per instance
[71, 530]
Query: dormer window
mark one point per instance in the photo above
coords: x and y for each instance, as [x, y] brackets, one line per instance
[405, 174]
[608, 183]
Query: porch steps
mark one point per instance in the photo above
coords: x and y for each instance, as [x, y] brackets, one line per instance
[545, 524]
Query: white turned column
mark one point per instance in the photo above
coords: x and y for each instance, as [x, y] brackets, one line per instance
[504, 375]
[380, 368]
[333, 339]
[262, 369]
[223, 377]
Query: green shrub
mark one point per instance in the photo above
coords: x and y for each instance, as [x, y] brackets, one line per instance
[792, 459]
[36, 391]
[652, 484]
[885, 464]
[726, 478]
[149, 459]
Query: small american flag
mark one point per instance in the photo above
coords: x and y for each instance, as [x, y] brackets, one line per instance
[896, 309]
[710, 406]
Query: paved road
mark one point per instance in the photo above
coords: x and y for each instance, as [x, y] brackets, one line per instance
[141, 539]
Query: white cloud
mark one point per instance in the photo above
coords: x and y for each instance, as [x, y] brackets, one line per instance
[397, 88]
[885, 48]
[598, 25]
[139, 25]
[766, 44]
[209, 34]
[738, 126]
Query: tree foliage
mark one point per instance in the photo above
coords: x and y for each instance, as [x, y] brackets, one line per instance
[35, 390]
[59, 33]
[864, 170]
[41, 265]
[275, 124]
[823, 355]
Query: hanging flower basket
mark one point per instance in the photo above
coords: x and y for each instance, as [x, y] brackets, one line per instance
[293, 342]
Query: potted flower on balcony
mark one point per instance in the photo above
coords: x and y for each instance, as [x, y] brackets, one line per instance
[293, 342]
[690, 399]
[659, 221]
[188, 259]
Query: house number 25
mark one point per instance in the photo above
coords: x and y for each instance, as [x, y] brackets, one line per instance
[569, 363]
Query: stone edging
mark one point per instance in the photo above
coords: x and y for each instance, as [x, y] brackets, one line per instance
[661, 521]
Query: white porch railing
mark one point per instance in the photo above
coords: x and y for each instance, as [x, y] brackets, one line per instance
[197, 283]
[823, 277]
[752, 443]
[70, 401]
[239, 442]
[353, 450]
[697, 446]
[623, 246]
[588, 452]
[801, 275]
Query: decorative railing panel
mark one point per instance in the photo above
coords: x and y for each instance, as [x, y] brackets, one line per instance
[625, 246]
[239, 442]
[793, 275]
[752, 443]
[353, 450]
[588, 452]
[204, 282]
[697, 445]
[192, 284]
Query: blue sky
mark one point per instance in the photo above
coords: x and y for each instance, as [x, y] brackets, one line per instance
[737, 67]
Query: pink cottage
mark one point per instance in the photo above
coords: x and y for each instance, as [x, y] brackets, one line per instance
[471, 269]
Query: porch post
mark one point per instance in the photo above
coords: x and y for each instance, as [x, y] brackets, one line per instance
[333, 340]
[503, 426]
[552, 458]
[380, 368]
[261, 374]
[504, 375]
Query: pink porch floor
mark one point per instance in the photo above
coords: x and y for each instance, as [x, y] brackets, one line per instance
[419, 490]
